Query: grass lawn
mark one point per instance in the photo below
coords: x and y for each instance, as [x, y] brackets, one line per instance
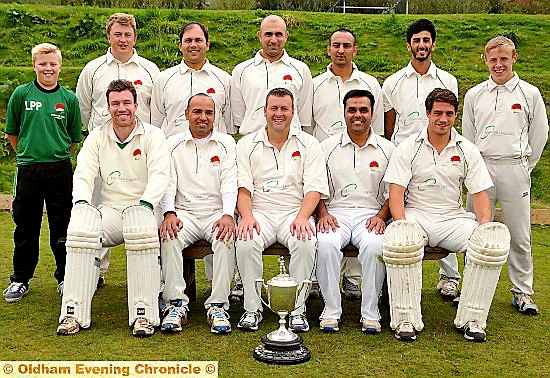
[517, 345]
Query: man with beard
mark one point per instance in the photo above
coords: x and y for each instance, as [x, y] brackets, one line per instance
[405, 113]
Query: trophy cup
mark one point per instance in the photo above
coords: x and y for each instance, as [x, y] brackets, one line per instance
[282, 347]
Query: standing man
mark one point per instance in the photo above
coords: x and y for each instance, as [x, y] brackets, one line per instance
[329, 89]
[356, 211]
[43, 125]
[281, 178]
[270, 68]
[429, 168]
[506, 119]
[195, 74]
[199, 205]
[131, 158]
[405, 114]
[120, 62]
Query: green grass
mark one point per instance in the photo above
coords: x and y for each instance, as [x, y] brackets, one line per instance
[516, 346]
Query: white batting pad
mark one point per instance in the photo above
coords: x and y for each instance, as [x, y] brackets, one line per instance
[82, 268]
[139, 229]
[487, 252]
[403, 250]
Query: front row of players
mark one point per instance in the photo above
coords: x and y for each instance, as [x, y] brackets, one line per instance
[276, 178]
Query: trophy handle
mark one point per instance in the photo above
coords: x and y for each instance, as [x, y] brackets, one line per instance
[306, 284]
[259, 284]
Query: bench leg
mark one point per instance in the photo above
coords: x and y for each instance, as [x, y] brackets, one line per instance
[189, 277]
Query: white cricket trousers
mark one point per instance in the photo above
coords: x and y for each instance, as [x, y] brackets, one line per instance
[274, 227]
[329, 256]
[195, 229]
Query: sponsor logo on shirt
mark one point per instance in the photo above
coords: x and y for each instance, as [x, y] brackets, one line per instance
[336, 128]
[296, 156]
[59, 111]
[32, 105]
[348, 189]
[273, 185]
[431, 184]
[492, 130]
[411, 118]
[117, 176]
[516, 108]
[455, 160]
[374, 166]
[137, 154]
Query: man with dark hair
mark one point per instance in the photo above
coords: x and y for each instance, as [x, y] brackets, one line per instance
[281, 177]
[428, 168]
[355, 212]
[131, 158]
[174, 86]
[43, 126]
[405, 113]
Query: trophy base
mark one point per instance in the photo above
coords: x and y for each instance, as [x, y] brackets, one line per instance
[292, 356]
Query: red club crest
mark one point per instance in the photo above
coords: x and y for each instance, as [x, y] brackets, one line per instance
[138, 82]
[455, 159]
[215, 160]
[210, 91]
[59, 107]
[137, 154]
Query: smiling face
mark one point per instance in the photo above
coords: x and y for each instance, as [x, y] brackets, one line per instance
[358, 116]
[122, 109]
[200, 113]
[441, 118]
[279, 112]
[194, 46]
[342, 48]
[421, 46]
[122, 39]
[500, 62]
[47, 68]
[273, 36]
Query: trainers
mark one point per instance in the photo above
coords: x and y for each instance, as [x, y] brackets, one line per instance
[68, 326]
[525, 304]
[60, 288]
[350, 290]
[174, 316]
[298, 323]
[143, 328]
[218, 319]
[473, 332]
[314, 292]
[250, 320]
[329, 325]
[405, 332]
[237, 293]
[15, 291]
[372, 327]
[101, 281]
[448, 287]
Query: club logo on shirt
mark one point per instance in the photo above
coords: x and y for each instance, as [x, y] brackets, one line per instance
[287, 79]
[455, 160]
[516, 108]
[431, 184]
[374, 166]
[137, 154]
[59, 108]
[210, 91]
[296, 156]
[138, 83]
[215, 160]
[348, 189]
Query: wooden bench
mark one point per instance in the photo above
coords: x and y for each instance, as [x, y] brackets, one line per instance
[202, 249]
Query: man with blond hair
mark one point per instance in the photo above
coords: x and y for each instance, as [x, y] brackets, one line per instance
[506, 119]
[43, 125]
[120, 62]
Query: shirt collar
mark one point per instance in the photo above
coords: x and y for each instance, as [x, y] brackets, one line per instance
[354, 72]
[345, 140]
[423, 136]
[133, 59]
[510, 84]
[432, 70]
[184, 68]
[187, 136]
[108, 129]
[261, 135]
[258, 58]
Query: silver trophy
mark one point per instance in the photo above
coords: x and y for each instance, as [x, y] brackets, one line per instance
[282, 346]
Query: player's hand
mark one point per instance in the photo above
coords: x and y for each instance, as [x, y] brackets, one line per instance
[170, 227]
[327, 222]
[246, 228]
[377, 224]
[301, 228]
[225, 226]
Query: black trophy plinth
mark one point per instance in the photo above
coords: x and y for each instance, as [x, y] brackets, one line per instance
[282, 352]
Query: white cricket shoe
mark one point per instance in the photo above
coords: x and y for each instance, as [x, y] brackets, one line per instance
[218, 319]
[448, 287]
[143, 328]
[175, 316]
[525, 304]
[329, 325]
[68, 326]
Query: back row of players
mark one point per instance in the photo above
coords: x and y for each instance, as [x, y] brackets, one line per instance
[504, 116]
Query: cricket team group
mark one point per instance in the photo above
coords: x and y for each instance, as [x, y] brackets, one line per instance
[323, 162]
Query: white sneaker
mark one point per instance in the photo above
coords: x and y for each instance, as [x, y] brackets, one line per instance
[525, 304]
[298, 323]
[473, 332]
[218, 319]
[174, 317]
[329, 325]
[350, 290]
[143, 328]
[448, 287]
[372, 327]
[405, 332]
[237, 292]
[250, 321]
[68, 326]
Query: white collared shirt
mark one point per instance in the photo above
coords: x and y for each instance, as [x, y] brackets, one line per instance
[506, 121]
[279, 180]
[173, 88]
[96, 76]
[328, 108]
[355, 173]
[254, 78]
[405, 92]
[434, 181]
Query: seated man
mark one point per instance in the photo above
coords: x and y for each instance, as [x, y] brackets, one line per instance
[356, 211]
[131, 158]
[431, 166]
[281, 178]
[199, 205]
